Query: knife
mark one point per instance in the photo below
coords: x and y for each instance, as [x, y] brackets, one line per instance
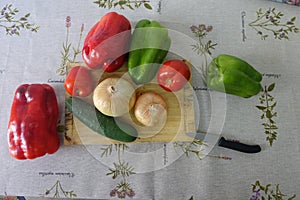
[222, 142]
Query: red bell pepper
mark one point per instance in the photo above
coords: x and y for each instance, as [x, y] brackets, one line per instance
[32, 128]
[107, 42]
[173, 75]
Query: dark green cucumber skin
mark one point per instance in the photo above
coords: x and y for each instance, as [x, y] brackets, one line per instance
[100, 123]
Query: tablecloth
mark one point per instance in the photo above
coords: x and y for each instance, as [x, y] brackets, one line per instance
[161, 170]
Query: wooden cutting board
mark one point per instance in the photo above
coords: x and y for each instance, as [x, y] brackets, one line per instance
[180, 118]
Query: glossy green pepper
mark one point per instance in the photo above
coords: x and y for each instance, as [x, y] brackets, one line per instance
[149, 46]
[234, 76]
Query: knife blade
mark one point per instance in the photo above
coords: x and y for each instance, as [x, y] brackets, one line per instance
[225, 143]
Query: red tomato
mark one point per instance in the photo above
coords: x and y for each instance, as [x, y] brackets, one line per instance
[173, 75]
[79, 82]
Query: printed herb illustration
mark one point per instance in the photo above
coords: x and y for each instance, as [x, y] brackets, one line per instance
[13, 24]
[121, 170]
[270, 23]
[200, 32]
[131, 4]
[194, 148]
[57, 191]
[188, 148]
[267, 106]
[261, 192]
[68, 118]
[69, 53]
[203, 47]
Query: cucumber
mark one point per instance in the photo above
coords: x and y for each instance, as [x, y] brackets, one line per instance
[107, 126]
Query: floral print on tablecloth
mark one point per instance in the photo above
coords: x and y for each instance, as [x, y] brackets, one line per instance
[258, 189]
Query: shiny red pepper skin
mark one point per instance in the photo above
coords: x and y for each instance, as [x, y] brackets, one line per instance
[101, 49]
[32, 128]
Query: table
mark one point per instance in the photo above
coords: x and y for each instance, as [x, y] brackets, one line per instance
[159, 170]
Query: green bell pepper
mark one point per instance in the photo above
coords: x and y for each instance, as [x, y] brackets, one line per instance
[149, 46]
[234, 76]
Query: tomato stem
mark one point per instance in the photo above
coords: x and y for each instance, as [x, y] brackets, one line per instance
[169, 82]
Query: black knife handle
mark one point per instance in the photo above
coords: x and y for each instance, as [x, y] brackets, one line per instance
[234, 145]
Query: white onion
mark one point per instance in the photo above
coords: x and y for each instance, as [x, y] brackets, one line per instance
[114, 96]
[151, 109]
